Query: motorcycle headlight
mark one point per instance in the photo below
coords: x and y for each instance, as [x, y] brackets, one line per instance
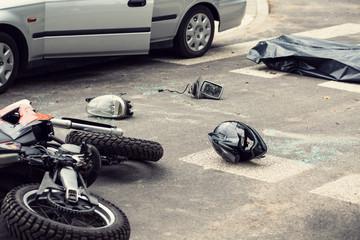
[109, 106]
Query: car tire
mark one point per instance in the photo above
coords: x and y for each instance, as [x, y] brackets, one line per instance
[9, 61]
[196, 32]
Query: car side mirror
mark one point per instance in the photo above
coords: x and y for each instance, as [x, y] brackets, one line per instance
[206, 89]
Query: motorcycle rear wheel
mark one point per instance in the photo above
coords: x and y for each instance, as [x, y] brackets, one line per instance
[26, 218]
[113, 145]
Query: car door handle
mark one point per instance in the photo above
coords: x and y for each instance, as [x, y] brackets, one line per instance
[136, 3]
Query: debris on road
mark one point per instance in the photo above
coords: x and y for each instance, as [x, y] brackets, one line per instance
[310, 57]
[109, 106]
[236, 142]
[201, 89]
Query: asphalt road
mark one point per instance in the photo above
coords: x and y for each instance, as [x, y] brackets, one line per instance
[307, 186]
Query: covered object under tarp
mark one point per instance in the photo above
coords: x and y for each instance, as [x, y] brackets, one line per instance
[310, 57]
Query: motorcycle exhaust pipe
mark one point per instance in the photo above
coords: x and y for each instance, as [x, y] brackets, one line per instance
[72, 123]
[7, 159]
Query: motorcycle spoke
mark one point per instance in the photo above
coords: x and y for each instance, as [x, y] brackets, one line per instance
[46, 211]
[96, 221]
[79, 220]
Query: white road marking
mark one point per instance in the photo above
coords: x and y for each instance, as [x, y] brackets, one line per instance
[344, 189]
[351, 87]
[243, 48]
[268, 169]
[259, 71]
[332, 32]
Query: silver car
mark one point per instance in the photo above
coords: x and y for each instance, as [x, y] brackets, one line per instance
[41, 29]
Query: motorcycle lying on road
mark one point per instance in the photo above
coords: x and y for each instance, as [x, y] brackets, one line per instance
[60, 206]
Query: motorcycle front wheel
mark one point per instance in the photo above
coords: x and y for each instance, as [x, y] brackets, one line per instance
[28, 218]
[113, 145]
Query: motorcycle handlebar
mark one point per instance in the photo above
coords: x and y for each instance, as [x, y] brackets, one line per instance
[68, 124]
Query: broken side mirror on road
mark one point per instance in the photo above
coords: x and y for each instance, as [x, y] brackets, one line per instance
[201, 89]
[205, 89]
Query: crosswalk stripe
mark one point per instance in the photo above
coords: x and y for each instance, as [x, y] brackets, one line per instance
[350, 87]
[332, 32]
[243, 48]
[345, 189]
[259, 71]
[268, 169]
[265, 72]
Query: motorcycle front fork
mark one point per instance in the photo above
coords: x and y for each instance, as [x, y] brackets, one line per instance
[70, 186]
[68, 178]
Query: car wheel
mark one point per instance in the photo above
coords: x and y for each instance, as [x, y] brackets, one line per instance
[9, 61]
[196, 32]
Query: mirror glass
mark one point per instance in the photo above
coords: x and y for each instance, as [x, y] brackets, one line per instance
[211, 90]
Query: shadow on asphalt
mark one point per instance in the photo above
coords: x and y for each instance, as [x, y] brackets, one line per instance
[65, 71]
[49, 66]
[133, 171]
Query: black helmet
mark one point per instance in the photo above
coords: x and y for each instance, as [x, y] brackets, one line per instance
[235, 141]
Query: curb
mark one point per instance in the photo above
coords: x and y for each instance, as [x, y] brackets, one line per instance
[256, 13]
[262, 11]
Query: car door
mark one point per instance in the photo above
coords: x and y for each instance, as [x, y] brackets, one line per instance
[75, 28]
